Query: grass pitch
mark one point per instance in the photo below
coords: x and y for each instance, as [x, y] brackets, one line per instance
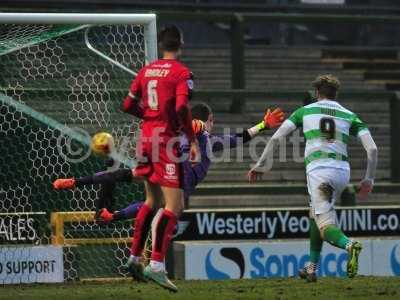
[326, 288]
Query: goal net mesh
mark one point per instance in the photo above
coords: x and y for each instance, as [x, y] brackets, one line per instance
[54, 90]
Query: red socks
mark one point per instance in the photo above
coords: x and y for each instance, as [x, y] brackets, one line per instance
[142, 227]
[163, 234]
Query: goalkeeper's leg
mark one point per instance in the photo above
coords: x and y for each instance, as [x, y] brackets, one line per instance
[120, 175]
[126, 213]
[105, 200]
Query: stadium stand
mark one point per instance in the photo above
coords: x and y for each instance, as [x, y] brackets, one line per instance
[275, 69]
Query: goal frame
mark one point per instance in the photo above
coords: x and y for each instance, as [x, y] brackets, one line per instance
[147, 20]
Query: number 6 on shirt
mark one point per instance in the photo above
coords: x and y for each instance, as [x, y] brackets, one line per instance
[152, 94]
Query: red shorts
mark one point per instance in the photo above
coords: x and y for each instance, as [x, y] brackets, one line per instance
[157, 166]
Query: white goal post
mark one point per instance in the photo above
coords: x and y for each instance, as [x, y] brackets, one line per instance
[149, 22]
[63, 78]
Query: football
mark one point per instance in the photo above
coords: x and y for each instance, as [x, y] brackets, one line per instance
[102, 143]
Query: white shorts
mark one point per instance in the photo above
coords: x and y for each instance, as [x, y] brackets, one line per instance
[325, 219]
[325, 186]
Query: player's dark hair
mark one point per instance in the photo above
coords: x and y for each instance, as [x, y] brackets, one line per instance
[327, 86]
[201, 111]
[170, 38]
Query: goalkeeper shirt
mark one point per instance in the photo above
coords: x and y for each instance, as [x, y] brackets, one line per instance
[208, 143]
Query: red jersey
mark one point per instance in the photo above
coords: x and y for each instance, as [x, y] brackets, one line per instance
[163, 87]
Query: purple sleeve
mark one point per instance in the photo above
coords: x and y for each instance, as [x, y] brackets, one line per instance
[220, 142]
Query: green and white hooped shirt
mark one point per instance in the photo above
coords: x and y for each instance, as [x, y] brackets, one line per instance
[327, 127]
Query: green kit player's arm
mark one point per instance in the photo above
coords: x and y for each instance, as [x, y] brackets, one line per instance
[264, 163]
[360, 130]
[367, 183]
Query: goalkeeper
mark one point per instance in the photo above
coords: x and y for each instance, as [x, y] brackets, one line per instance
[203, 123]
[327, 126]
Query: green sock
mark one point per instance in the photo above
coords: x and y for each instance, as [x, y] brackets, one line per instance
[334, 236]
[315, 242]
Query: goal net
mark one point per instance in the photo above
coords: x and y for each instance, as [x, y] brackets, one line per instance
[63, 78]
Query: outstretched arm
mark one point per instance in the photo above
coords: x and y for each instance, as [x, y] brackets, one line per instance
[367, 183]
[271, 119]
[265, 161]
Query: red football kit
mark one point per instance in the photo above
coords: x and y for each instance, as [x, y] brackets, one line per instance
[159, 95]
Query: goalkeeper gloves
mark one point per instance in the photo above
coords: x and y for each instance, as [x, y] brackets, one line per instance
[198, 126]
[272, 119]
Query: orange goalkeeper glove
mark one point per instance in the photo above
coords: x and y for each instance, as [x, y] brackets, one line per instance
[198, 126]
[273, 119]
